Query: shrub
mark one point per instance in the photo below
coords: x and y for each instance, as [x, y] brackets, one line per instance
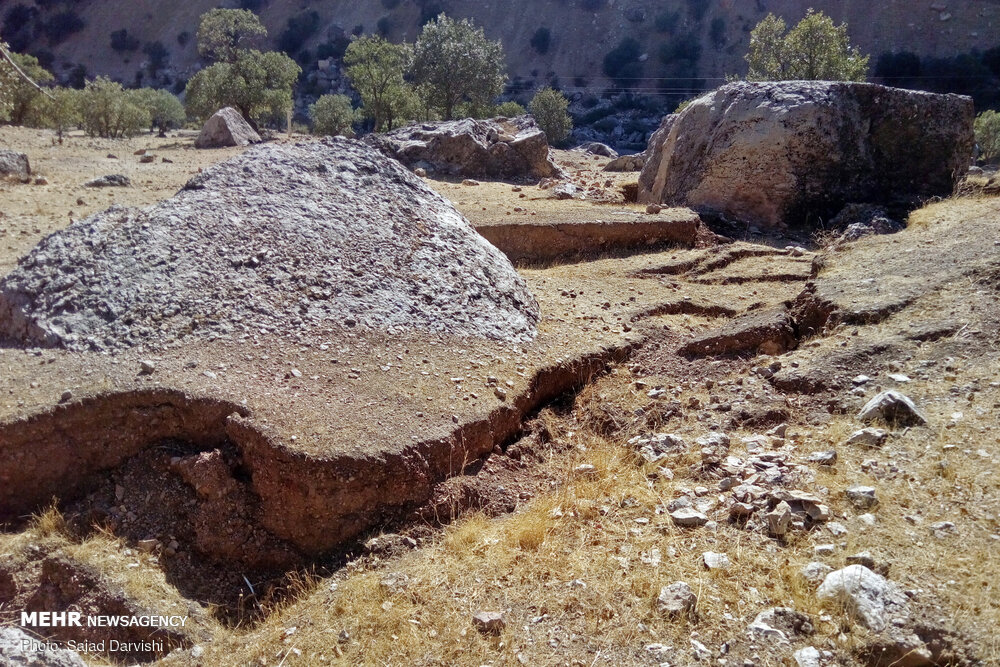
[183, 38]
[549, 109]
[717, 32]
[157, 54]
[509, 109]
[108, 110]
[61, 112]
[698, 8]
[390, 4]
[987, 128]
[383, 26]
[622, 65]
[814, 49]
[121, 41]
[686, 47]
[333, 115]
[19, 26]
[667, 22]
[62, 25]
[298, 29]
[541, 40]
[592, 5]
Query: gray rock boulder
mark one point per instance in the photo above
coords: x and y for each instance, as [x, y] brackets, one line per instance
[633, 162]
[14, 165]
[868, 597]
[597, 148]
[284, 238]
[19, 649]
[506, 148]
[226, 127]
[677, 599]
[780, 154]
[892, 407]
[109, 181]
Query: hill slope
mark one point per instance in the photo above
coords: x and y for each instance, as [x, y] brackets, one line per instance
[703, 39]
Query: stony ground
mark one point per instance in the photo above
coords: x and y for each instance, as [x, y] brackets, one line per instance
[729, 474]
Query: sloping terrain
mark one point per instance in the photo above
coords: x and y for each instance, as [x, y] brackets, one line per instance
[673, 404]
[581, 33]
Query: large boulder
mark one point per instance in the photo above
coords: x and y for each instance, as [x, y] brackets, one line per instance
[780, 154]
[226, 127]
[512, 148]
[296, 239]
[14, 165]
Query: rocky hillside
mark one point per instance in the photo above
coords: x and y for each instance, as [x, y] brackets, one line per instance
[682, 44]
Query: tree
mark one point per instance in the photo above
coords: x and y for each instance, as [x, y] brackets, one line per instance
[549, 109]
[375, 68]
[108, 110]
[258, 85]
[622, 64]
[61, 111]
[987, 129]
[456, 63]
[815, 49]
[165, 110]
[21, 96]
[333, 115]
[224, 34]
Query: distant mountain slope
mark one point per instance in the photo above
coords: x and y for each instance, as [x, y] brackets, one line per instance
[679, 40]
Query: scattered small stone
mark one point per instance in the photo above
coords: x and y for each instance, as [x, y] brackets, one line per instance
[146, 367]
[862, 497]
[862, 558]
[836, 528]
[66, 396]
[815, 571]
[824, 549]
[653, 209]
[470, 181]
[109, 181]
[585, 469]
[489, 622]
[899, 377]
[779, 519]
[943, 529]
[807, 657]
[868, 437]
[688, 517]
[677, 599]
[892, 407]
[421, 172]
[826, 458]
[868, 519]
[715, 561]
[147, 158]
[147, 546]
[866, 596]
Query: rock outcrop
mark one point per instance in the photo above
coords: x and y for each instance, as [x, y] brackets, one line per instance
[782, 154]
[313, 236]
[14, 165]
[226, 127]
[507, 148]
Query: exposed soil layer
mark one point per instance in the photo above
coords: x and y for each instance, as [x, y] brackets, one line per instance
[529, 243]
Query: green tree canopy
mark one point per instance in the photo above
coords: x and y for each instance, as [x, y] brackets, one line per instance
[987, 129]
[165, 110]
[456, 63]
[61, 112]
[815, 49]
[333, 115]
[108, 110]
[549, 106]
[19, 98]
[224, 34]
[258, 85]
[375, 68]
